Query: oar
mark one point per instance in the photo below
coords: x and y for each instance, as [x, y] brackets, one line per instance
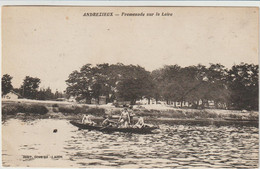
[103, 128]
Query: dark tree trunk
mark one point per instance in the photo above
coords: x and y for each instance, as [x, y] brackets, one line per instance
[215, 105]
[133, 102]
[203, 104]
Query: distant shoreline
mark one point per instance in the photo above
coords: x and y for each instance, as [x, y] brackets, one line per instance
[68, 110]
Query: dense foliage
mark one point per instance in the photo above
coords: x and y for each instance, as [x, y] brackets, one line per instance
[6, 84]
[114, 81]
[81, 110]
[30, 86]
[236, 88]
[47, 94]
[243, 85]
[11, 109]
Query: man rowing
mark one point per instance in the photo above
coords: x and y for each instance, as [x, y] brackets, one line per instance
[108, 122]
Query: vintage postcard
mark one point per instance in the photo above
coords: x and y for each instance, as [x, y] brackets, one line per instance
[130, 87]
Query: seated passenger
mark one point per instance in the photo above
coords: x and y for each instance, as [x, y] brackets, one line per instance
[86, 120]
[140, 123]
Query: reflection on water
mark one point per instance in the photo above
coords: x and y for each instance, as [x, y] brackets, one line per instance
[33, 143]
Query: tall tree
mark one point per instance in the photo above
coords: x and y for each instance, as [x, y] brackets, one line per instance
[171, 87]
[134, 83]
[78, 86]
[127, 82]
[29, 87]
[243, 84]
[217, 83]
[157, 79]
[101, 84]
[83, 84]
[6, 84]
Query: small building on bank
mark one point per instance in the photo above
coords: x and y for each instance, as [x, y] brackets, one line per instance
[12, 95]
[145, 101]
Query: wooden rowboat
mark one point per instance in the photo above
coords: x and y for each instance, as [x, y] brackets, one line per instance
[143, 130]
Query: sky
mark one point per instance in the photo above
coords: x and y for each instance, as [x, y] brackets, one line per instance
[51, 42]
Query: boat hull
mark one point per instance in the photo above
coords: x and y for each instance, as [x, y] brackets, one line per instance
[143, 130]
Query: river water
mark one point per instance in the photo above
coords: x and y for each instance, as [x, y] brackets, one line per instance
[32, 143]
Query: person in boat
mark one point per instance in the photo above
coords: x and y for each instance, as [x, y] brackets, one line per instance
[87, 120]
[140, 123]
[131, 114]
[124, 119]
[108, 122]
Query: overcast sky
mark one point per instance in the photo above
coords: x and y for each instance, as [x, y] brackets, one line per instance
[51, 42]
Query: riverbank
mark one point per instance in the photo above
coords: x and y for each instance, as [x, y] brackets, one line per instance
[67, 110]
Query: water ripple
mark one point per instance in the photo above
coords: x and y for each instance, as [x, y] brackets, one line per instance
[175, 145]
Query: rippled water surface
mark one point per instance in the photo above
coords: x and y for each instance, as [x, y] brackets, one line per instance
[33, 143]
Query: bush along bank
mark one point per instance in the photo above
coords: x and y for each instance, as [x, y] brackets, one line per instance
[12, 109]
[195, 114]
[75, 111]
[81, 110]
[180, 114]
[39, 109]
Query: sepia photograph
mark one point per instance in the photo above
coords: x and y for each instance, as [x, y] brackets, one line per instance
[130, 87]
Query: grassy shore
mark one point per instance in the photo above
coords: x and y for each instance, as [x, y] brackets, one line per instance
[52, 109]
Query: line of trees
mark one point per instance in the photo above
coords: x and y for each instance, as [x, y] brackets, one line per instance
[237, 87]
[29, 89]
